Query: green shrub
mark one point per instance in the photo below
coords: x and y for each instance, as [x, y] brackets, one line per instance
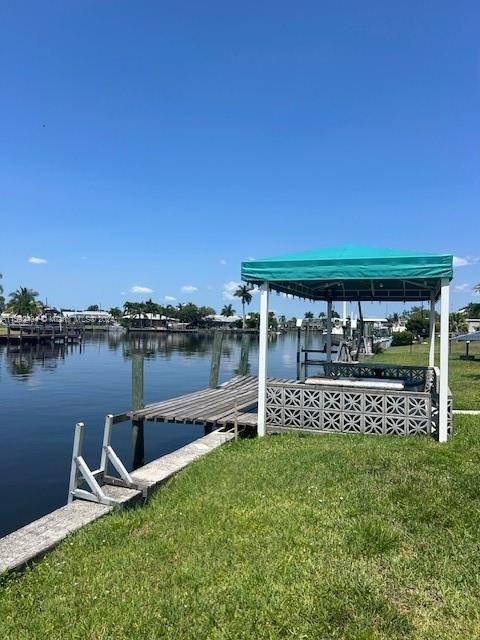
[401, 338]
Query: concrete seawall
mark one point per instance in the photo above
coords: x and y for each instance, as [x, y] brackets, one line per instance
[34, 540]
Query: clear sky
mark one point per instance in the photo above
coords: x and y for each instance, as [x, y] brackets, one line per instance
[159, 144]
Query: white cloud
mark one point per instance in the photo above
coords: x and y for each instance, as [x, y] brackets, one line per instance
[139, 289]
[34, 260]
[123, 293]
[209, 287]
[462, 287]
[188, 288]
[229, 289]
[223, 261]
[465, 262]
[170, 298]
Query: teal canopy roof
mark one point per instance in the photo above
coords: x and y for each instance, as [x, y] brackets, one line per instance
[351, 272]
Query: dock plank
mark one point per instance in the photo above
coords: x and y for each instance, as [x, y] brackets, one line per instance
[221, 405]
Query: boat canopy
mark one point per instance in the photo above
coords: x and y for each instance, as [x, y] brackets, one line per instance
[353, 272]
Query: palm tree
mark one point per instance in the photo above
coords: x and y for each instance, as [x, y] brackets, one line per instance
[227, 311]
[129, 308]
[23, 302]
[243, 292]
[393, 319]
[115, 312]
[458, 323]
[151, 306]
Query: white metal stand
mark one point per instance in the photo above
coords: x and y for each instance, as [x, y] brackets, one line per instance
[431, 356]
[262, 360]
[80, 471]
[444, 336]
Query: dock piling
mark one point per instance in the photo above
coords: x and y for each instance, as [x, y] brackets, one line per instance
[138, 439]
[243, 366]
[216, 358]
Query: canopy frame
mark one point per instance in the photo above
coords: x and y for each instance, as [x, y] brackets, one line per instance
[362, 274]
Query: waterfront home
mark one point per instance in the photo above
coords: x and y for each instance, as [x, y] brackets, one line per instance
[218, 321]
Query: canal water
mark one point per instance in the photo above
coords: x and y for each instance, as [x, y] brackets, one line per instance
[46, 389]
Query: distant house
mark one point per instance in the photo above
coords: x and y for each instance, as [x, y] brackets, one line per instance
[473, 324]
[399, 326]
[146, 322]
[154, 322]
[88, 317]
[217, 320]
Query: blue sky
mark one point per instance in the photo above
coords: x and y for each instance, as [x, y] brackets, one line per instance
[159, 144]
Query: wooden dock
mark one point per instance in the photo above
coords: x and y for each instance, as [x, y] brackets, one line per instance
[40, 335]
[235, 400]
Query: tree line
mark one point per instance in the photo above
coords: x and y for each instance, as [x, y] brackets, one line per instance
[24, 302]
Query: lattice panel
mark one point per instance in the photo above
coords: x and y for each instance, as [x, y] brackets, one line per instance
[435, 416]
[353, 402]
[312, 399]
[299, 407]
[417, 375]
[312, 419]
[418, 426]
[450, 416]
[352, 423]
[333, 400]
[293, 397]
[373, 424]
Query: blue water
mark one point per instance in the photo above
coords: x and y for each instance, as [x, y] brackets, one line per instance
[45, 390]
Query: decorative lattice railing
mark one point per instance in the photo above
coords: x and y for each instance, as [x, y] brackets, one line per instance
[418, 376]
[313, 408]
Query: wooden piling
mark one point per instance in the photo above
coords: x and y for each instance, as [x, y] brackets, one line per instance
[243, 366]
[216, 358]
[138, 440]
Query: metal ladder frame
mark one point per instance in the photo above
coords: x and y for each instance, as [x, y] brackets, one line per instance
[80, 470]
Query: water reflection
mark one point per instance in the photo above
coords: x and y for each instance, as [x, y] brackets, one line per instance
[169, 344]
[21, 361]
[86, 381]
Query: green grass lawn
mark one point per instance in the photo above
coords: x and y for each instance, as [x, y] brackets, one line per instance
[284, 537]
[317, 537]
[464, 376]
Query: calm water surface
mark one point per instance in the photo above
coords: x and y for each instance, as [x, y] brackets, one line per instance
[46, 389]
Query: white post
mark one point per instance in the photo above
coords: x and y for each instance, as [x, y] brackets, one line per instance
[262, 359]
[344, 319]
[107, 438]
[77, 451]
[329, 331]
[431, 357]
[443, 400]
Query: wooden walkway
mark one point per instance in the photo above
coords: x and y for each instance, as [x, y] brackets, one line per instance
[209, 407]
